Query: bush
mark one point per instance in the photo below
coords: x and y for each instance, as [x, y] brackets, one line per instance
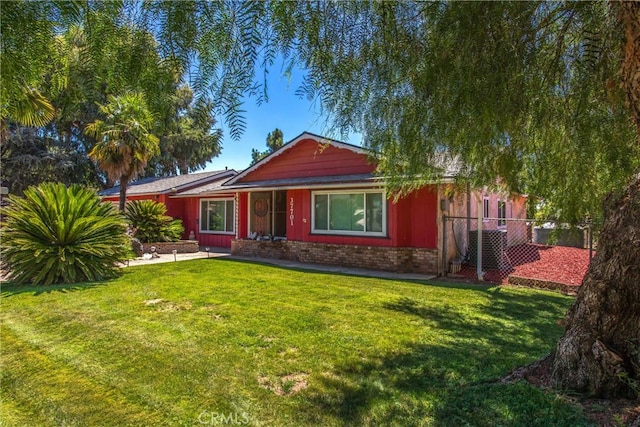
[150, 222]
[60, 234]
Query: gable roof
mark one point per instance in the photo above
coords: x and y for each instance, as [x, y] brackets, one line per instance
[171, 184]
[304, 136]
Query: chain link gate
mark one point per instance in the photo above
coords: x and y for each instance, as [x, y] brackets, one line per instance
[501, 249]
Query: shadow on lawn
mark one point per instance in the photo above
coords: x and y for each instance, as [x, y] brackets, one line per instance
[437, 282]
[454, 380]
[9, 289]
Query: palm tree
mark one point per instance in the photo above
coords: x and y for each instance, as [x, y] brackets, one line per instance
[124, 143]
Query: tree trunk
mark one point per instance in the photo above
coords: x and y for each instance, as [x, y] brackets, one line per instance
[123, 192]
[599, 353]
[629, 16]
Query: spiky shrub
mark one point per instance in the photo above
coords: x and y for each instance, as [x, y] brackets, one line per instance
[60, 234]
[150, 222]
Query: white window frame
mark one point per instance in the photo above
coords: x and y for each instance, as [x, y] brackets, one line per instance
[328, 193]
[225, 200]
[502, 220]
[486, 214]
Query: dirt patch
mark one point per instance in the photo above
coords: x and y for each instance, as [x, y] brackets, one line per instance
[526, 282]
[603, 412]
[288, 352]
[167, 306]
[211, 308]
[284, 385]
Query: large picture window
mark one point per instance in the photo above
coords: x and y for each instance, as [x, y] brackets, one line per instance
[349, 213]
[217, 216]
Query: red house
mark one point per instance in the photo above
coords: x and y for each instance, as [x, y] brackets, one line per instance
[317, 200]
[165, 190]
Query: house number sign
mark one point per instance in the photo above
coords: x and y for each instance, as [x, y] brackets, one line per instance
[291, 211]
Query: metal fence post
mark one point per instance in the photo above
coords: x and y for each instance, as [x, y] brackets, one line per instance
[444, 245]
[479, 272]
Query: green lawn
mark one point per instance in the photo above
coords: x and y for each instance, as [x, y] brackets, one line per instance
[242, 343]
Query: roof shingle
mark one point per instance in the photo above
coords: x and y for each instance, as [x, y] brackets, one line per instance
[171, 183]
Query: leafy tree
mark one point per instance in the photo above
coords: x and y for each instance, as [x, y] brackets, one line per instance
[27, 30]
[187, 138]
[150, 223]
[60, 234]
[78, 72]
[124, 143]
[31, 156]
[544, 96]
[275, 140]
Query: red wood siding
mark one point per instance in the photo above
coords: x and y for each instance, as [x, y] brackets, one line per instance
[308, 159]
[215, 240]
[190, 216]
[190, 208]
[411, 222]
[301, 214]
[423, 217]
[242, 210]
[176, 208]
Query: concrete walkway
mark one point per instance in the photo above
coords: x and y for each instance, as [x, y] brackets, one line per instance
[218, 252]
[224, 253]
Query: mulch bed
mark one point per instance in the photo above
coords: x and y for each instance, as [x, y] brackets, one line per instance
[532, 265]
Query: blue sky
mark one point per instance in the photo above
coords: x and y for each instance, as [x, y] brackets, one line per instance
[285, 110]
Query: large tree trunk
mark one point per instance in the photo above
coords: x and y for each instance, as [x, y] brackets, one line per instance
[599, 353]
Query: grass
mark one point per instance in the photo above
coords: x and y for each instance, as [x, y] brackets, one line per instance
[218, 342]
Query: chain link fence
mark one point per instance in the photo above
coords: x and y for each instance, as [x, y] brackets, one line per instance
[518, 251]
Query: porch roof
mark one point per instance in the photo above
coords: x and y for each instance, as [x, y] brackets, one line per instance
[337, 181]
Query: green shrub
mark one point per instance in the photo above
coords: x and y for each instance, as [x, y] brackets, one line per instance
[150, 222]
[60, 234]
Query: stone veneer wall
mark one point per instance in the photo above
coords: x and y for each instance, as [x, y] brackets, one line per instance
[401, 260]
[182, 246]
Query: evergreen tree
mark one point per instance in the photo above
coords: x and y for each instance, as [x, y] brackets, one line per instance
[275, 140]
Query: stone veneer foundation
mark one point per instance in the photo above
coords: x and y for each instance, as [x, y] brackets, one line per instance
[399, 260]
[182, 246]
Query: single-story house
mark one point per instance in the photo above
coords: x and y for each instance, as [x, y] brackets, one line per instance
[317, 200]
[164, 190]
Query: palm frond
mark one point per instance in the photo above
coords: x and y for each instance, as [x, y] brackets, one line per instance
[60, 234]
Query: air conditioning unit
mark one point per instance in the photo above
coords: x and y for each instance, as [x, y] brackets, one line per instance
[494, 247]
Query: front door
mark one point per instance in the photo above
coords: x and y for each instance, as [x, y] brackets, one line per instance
[268, 213]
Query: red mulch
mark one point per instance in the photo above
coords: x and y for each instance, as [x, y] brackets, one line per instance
[559, 264]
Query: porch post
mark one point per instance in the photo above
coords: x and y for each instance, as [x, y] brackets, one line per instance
[236, 202]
